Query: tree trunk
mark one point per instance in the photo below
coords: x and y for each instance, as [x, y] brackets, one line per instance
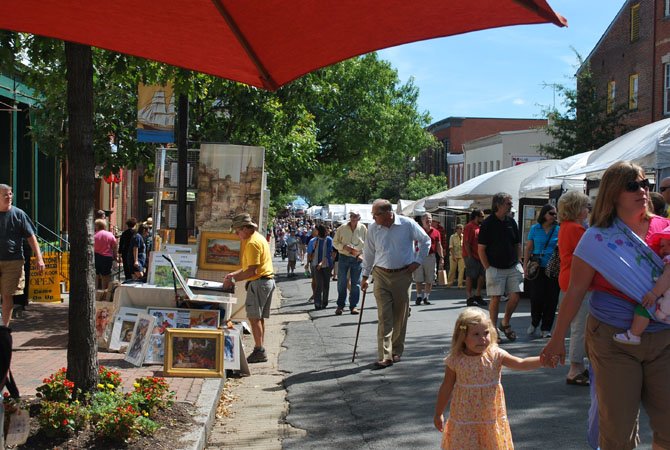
[82, 356]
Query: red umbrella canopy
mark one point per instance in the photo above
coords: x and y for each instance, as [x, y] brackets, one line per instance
[264, 43]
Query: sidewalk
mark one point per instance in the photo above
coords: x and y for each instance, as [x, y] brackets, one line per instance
[40, 349]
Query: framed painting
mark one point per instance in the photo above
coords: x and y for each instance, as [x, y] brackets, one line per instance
[122, 331]
[193, 352]
[139, 343]
[232, 348]
[104, 320]
[219, 251]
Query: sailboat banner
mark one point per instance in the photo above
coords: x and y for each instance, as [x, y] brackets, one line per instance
[155, 113]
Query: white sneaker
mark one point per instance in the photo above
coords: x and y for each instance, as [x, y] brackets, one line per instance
[546, 334]
[531, 330]
[627, 338]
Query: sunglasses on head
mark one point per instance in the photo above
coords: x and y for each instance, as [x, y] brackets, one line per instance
[634, 186]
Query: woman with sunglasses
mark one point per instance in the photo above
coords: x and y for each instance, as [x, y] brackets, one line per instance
[542, 239]
[610, 252]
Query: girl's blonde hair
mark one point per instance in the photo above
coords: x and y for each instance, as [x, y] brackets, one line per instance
[570, 205]
[468, 318]
[614, 182]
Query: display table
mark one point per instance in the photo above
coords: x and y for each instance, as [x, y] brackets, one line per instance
[144, 295]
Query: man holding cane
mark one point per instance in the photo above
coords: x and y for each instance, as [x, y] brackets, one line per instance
[389, 255]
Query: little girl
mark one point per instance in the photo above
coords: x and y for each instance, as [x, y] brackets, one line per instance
[477, 416]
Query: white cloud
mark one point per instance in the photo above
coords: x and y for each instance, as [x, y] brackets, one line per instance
[518, 101]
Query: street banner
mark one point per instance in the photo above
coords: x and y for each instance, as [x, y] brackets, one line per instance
[155, 113]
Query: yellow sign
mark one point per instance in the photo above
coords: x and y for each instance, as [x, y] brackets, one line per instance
[45, 286]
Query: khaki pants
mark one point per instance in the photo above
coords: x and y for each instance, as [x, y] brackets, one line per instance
[625, 376]
[392, 292]
[453, 265]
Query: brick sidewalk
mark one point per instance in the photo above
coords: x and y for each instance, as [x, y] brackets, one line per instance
[40, 348]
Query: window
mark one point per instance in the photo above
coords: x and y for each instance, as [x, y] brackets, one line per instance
[635, 22]
[632, 91]
[486, 166]
[469, 167]
[667, 8]
[666, 89]
[491, 166]
[479, 168]
[611, 95]
[498, 165]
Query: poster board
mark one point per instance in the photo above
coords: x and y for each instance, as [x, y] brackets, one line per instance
[139, 344]
[45, 285]
[122, 330]
[230, 182]
[232, 348]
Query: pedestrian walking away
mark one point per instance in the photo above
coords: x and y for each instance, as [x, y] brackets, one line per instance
[474, 271]
[349, 241]
[389, 255]
[424, 276]
[258, 273]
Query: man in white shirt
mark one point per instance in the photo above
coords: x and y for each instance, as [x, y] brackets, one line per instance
[349, 240]
[389, 254]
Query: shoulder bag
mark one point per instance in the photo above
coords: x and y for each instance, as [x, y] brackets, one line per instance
[533, 267]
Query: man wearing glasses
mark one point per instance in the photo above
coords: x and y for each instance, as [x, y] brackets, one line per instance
[500, 253]
[389, 254]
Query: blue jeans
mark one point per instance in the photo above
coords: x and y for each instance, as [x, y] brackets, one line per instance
[354, 267]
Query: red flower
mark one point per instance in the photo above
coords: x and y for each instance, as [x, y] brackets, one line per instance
[65, 422]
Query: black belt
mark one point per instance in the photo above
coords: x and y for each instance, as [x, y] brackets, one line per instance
[384, 269]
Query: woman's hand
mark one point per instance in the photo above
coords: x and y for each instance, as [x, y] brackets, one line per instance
[553, 353]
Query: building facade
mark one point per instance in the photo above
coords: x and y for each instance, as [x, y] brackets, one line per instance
[502, 150]
[631, 61]
[454, 132]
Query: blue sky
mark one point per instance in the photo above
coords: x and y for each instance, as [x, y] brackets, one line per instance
[502, 72]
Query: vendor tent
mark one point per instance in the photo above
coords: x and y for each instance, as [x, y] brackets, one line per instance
[506, 180]
[364, 209]
[540, 183]
[648, 146]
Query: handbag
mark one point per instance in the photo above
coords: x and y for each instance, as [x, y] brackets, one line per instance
[533, 267]
[553, 268]
[442, 277]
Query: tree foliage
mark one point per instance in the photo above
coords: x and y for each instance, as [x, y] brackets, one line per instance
[422, 185]
[586, 123]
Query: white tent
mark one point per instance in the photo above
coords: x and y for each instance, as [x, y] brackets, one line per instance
[364, 209]
[540, 183]
[648, 146]
[402, 204]
[507, 180]
[333, 213]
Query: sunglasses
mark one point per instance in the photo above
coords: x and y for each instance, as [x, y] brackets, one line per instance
[634, 186]
[552, 213]
[663, 188]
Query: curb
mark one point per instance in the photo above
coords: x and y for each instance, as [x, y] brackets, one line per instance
[204, 416]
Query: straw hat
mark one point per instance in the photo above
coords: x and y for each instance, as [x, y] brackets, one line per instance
[243, 220]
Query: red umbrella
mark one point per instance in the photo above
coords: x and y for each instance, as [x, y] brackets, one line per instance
[264, 43]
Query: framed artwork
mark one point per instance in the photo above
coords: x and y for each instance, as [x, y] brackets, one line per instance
[104, 320]
[160, 269]
[231, 348]
[122, 331]
[193, 353]
[219, 251]
[165, 318]
[204, 318]
[139, 344]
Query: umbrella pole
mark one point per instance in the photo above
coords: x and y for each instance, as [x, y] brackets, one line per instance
[358, 329]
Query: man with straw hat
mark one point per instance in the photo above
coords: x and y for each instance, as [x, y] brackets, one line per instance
[259, 275]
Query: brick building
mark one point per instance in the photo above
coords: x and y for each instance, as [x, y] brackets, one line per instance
[631, 61]
[454, 132]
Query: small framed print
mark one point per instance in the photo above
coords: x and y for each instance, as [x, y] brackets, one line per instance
[104, 320]
[139, 343]
[122, 331]
[231, 348]
[219, 251]
[193, 352]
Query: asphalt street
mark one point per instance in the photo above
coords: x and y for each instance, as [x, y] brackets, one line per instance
[346, 405]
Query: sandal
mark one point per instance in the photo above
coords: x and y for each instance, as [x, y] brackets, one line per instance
[508, 331]
[581, 379]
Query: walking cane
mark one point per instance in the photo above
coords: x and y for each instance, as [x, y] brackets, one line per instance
[358, 330]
